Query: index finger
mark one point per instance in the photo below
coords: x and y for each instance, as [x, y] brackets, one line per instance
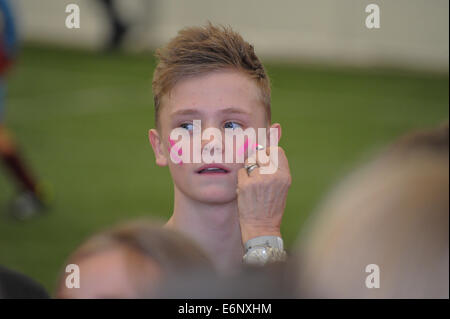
[272, 159]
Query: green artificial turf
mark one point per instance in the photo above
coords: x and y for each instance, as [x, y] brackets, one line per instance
[82, 118]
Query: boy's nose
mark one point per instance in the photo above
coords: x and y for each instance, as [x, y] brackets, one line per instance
[214, 143]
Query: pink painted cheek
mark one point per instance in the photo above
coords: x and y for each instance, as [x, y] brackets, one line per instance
[176, 149]
[244, 147]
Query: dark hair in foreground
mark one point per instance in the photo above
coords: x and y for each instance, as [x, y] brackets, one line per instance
[14, 285]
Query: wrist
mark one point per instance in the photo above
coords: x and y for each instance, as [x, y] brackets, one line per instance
[249, 232]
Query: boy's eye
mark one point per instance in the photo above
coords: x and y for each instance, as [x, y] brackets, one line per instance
[187, 126]
[232, 125]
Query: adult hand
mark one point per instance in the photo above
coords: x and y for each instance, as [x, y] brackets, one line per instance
[262, 197]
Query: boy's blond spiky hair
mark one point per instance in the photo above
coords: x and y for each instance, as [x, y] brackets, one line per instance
[200, 50]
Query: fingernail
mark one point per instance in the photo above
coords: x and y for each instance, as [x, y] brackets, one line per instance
[259, 147]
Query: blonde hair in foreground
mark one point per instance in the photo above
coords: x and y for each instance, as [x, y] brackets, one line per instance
[144, 243]
[393, 212]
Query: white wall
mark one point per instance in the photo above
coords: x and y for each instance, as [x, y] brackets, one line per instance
[414, 34]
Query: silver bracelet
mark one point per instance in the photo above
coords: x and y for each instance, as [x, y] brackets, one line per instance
[264, 249]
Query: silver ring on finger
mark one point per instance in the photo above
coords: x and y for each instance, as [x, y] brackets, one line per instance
[250, 168]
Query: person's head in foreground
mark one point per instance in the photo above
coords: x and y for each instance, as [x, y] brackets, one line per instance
[384, 231]
[213, 75]
[131, 261]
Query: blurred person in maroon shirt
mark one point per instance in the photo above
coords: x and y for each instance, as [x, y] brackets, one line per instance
[31, 199]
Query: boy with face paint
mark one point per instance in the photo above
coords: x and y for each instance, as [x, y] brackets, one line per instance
[233, 210]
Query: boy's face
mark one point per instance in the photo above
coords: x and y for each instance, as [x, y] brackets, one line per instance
[221, 99]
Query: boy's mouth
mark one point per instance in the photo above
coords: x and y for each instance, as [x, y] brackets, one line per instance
[213, 169]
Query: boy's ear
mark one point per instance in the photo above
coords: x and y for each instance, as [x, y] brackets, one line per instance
[276, 126]
[158, 147]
